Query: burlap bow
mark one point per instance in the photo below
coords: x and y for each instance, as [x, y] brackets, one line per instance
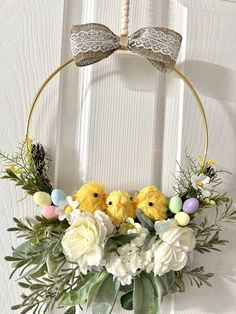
[93, 42]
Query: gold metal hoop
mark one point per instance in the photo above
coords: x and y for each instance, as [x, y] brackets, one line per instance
[177, 72]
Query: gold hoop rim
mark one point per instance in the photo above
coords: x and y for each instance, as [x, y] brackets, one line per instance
[175, 70]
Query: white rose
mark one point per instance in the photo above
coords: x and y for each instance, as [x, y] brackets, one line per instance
[171, 233]
[167, 257]
[170, 252]
[83, 242]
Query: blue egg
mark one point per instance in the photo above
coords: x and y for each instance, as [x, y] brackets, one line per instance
[57, 196]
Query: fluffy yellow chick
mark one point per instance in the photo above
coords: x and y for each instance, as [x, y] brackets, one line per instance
[120, 206]
[152, 202]
[91, 197]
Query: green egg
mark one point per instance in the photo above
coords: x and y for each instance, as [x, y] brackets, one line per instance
[175, 204]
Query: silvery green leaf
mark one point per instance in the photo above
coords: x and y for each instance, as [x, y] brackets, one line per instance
[106, 296]
[149, 241]
[169, 278]
[79, 294]
[145, 221]
[95, 288]
[143, 294]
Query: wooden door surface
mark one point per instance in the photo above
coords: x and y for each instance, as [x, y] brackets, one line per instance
[120, 121]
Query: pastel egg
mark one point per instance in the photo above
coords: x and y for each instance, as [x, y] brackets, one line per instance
[42, 199]
[49, 212]
[57, 196]
[175, 204]
[191, 205]
[182, 219]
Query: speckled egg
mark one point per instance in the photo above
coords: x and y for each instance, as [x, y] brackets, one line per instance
[42, 199]
[57, 196]
[182, 219]
[191, 205]
[50, 213]
[175, 204]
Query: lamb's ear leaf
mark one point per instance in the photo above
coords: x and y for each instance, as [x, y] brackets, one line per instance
[149, 241]
[145, 221]
[80, 293]
[144, 294]
[106, 296]
[95, 288]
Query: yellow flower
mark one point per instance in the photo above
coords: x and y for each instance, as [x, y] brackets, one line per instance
[210, 162]
[152, 202]
[13, 169]
[120, 207]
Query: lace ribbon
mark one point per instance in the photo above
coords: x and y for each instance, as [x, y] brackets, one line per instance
[91, 43]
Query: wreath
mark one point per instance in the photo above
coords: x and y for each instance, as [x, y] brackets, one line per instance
[95, 246]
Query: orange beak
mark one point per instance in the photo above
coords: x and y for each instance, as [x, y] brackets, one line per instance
[104, 196]
[121, 205]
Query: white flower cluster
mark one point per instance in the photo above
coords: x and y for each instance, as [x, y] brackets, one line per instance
[84, 243]
[129, 259]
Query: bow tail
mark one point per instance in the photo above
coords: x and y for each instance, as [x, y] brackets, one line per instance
[162, 63]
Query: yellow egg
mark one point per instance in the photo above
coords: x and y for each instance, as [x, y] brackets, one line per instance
[42, 199]
[182, 219]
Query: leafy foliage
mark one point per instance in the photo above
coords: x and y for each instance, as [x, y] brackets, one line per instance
[197, 276]
[28, 168]
[183, 184]
[208, 234]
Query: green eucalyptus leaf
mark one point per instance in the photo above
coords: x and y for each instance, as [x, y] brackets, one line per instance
[23, 285]
[71, 310]
[95, 288]
[149, 241]
[169, 278]
[178, 285]
[79, 294]
[51, 265]
[145, 221]
[106, 296]
[27, 309]
[144, 294]
[16, 307]
[127, 301]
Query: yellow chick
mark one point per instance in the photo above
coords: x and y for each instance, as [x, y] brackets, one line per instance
[152, 202]
[91, 197]
[120, 206]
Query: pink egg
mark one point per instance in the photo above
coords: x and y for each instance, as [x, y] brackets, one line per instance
[50, 213]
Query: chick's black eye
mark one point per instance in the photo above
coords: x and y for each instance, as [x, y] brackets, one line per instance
[110, 203]
[95, 194]
[150, 203]
[131, 198]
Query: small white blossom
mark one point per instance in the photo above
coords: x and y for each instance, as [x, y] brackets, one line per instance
[202, 184]
[66, 208]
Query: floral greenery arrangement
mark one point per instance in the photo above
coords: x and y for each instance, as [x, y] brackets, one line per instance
[91, 248]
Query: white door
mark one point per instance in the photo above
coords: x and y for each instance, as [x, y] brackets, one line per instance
[120, 121]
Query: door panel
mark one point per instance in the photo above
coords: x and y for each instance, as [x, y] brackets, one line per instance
[120, 121]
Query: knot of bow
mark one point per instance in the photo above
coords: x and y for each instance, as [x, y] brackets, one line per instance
[91, 43]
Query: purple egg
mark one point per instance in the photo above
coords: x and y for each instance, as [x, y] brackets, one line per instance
[191, 205]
